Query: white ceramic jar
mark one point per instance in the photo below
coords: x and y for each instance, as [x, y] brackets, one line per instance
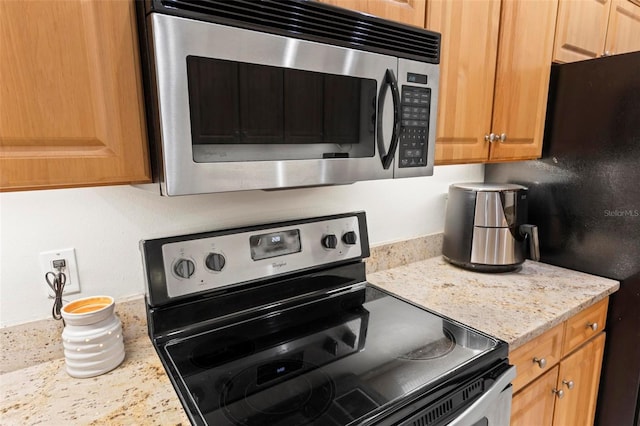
[92, 336]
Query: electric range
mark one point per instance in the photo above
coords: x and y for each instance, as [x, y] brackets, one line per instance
[275, 324]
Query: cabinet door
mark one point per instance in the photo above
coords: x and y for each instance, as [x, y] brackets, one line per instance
[581, 29]
[71, 104]
[623, 34]
[410, 12]
[525, 50]
[467, 75]
[533, 405]
[579, 378]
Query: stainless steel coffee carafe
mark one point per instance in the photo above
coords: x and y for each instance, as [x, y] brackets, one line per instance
[485, 227]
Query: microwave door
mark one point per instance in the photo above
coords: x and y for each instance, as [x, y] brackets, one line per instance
[241, 110]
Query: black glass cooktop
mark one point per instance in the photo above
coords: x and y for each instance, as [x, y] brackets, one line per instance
[327, 362]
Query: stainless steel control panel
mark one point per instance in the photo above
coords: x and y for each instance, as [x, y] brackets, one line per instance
[201, 264]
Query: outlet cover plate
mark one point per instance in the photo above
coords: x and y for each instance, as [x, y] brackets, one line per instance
[70, 270]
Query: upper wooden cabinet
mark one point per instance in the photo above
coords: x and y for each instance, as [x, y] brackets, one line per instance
[581, 29]
[623, 33]
[589, 29]
[492, 90]
[71, 103]
[467, 76]
[410, 12]
[522, 78]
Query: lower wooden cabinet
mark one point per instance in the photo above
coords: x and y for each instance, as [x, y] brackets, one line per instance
[534, 404]
[560, 392]
[579, 378]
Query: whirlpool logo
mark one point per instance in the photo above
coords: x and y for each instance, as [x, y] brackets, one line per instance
[622, 213]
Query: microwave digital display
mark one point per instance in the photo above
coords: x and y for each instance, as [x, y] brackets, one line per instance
[416, 78]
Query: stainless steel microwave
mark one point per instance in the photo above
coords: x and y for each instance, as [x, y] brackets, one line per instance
[267, 94]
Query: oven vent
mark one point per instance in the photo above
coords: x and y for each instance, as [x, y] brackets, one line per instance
[435, 414]
[310, 20]
[472, 390]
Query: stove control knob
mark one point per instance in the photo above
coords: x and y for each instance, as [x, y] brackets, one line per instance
[330, 241]
[184, 268]
[349, 238]
[215, 262]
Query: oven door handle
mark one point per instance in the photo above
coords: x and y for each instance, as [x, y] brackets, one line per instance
[389, 81]
[483, 405]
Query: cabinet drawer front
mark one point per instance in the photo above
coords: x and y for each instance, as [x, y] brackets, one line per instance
[585, 325]
[537, 356]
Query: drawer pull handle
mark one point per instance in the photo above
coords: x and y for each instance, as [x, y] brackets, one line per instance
[569, 384]
[559, 393]
[593, 325]
[542, 363]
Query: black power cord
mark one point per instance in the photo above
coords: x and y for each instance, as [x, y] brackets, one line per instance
[56, 281]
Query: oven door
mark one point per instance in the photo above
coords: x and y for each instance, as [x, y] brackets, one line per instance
[493, 408]
[240, 109]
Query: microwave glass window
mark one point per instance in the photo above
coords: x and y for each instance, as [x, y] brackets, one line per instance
[298, 114]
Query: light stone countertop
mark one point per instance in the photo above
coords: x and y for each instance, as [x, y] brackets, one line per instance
[513, 306]
[138, 392]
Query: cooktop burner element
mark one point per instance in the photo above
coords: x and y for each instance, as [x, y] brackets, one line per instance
[301, 401]
[436, 349]
[302, 338]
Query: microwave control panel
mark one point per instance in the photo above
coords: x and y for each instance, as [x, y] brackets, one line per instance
[414, 108]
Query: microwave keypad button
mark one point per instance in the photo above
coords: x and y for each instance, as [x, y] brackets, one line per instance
[415, 124]
[413, 147]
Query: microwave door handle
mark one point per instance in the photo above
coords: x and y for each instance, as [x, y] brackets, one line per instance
[389, 82]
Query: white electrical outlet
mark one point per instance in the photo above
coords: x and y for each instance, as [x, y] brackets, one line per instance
[70, 269]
